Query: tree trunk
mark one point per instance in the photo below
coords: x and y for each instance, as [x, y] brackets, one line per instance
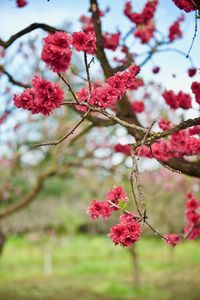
[2, 241]
[135, 264]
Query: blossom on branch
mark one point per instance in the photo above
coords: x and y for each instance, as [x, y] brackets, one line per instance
[127, 232]
[196, 91]
[21, 3]
[43, 97]
[186, 5]
[56, 52]
[173, 239]
[85, 42]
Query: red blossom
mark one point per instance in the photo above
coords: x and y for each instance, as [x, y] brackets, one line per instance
[192, 229]
[164, 124]
[145, 16]
[99, 209]
[85, 42]
[145, 32]
[192, 72]
[175, 31]
[127, 232]
[173, 239]
[56, 51]
[82, 96]
[21, 3]
[43, 98]
[104, 97]
[138, 106]
[115, 195]
[175, 101]
[194, 130]
[196, 90]
[125, 149]
[111, 40]
[186, 5]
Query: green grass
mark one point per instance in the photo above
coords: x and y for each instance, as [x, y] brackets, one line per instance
[86, 267]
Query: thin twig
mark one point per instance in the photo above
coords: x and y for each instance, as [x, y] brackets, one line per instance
[88, 73]
[194, 36]
[55, 143]
[69, 87]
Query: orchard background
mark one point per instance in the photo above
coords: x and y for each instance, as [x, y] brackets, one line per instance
[99, 149]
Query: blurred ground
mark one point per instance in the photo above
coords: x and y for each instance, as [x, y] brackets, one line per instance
[87, 268]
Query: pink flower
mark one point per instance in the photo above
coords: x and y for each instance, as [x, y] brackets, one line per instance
[192, 72]
[192, 203]
[21, 3]
[145, 32]
[193, 217]
[82, 96]
[145, 16]
[173, 239]
[186, 5]
[127, 232]
[115, 195]
[125, 149]
[194, 130]
[103, 97]
[99, 208]
[138, 106]
[164, 124]
[196, 90]
[175, 31]
[56, 51]
[175, 101]
[85, 42]
[43, 98]
[111, 40]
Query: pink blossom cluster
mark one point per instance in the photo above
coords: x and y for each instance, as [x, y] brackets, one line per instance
[43, 97]
[196, 90]
[125, 149]
[21, 3]
[116, 85]
[111, 40]
[173, 239]
[86, 22]
[111, 203]
[179, 100]
[192, 72]
[145, 32]
[144, 21]
[164, 124]
[194, 130]
[57, 53]
[182, 143]
[145, 16]
[138, 106]
[84, 41]
[175, 31]
[127, 232]
[186, 5]
[192, 214]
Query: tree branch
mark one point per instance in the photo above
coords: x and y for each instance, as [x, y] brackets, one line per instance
[12, 80]
[26, 30]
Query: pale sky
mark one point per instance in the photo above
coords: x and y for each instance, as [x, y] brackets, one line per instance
[55, 12]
